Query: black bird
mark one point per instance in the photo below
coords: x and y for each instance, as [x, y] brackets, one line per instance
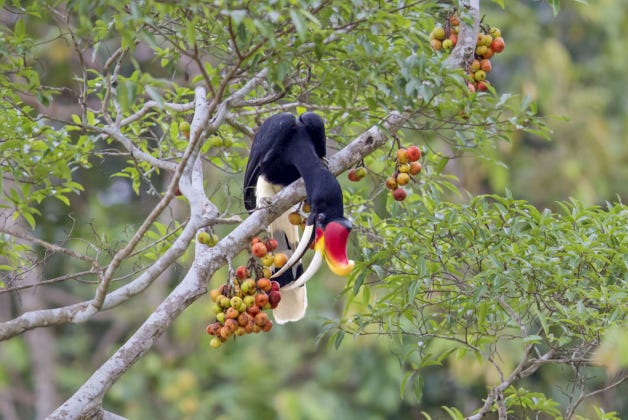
[284, 149]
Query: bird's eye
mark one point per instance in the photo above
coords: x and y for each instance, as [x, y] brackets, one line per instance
[320, 218]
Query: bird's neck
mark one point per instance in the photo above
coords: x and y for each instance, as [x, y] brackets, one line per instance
[323, 190]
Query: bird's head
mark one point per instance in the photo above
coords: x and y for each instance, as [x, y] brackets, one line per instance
[329, 238]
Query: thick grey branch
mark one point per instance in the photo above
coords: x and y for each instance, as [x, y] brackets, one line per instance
[467, 38]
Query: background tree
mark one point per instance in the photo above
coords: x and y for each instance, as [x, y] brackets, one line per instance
[492, 304]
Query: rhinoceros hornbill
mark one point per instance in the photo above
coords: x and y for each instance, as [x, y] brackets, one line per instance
[284, 149]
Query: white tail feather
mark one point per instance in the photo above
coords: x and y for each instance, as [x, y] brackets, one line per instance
[293, 302]
[292, 305]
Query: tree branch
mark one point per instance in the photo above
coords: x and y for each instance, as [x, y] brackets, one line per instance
[47, 245]
[467, 38]
[88, 398]
[201, 116]
[525, 368]
[206, 214]
[572, 408]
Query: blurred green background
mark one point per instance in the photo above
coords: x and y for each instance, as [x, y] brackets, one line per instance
[573, 65]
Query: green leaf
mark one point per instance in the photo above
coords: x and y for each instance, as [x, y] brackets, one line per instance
[29, 218]
[402, 388]
[441, 164]
[536, 339]
[454, 413]
[555, 6]
[20, 29]
[299, 23]
[500, 3]
[62, 198]
[358, 282]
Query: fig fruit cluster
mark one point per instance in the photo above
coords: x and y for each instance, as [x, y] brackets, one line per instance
[489, 42]
[240, 304]
[240, 307]
[407, 165]
[445, 37]
[266, 258]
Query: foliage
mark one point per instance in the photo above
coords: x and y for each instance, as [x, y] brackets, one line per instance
[454, 282]
[471, 289]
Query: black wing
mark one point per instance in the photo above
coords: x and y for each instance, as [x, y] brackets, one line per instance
[272, 134]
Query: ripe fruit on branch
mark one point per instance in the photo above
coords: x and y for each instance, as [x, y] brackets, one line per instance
[261, 319]
[483, 85]
[480, 50]
[391, 182]
[402, 156]
[414, 153]
[280, 260]
[399, 194]
[403, 178]
[295, 218]
[261, 299]
[485, 39]
[259, 249]
[271, 244]
[274, 297]
[404, 168]
[248, 286]
[479, 75]
[485, 65]
[356, 174]
[253, 310]
[415, 168]
[231, 313]
[242, 272]
[498, 44]
[267, 260]
[264, 284]
[438, 33]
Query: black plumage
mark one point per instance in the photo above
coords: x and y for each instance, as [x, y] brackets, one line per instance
[284, 149]
[278, 141]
